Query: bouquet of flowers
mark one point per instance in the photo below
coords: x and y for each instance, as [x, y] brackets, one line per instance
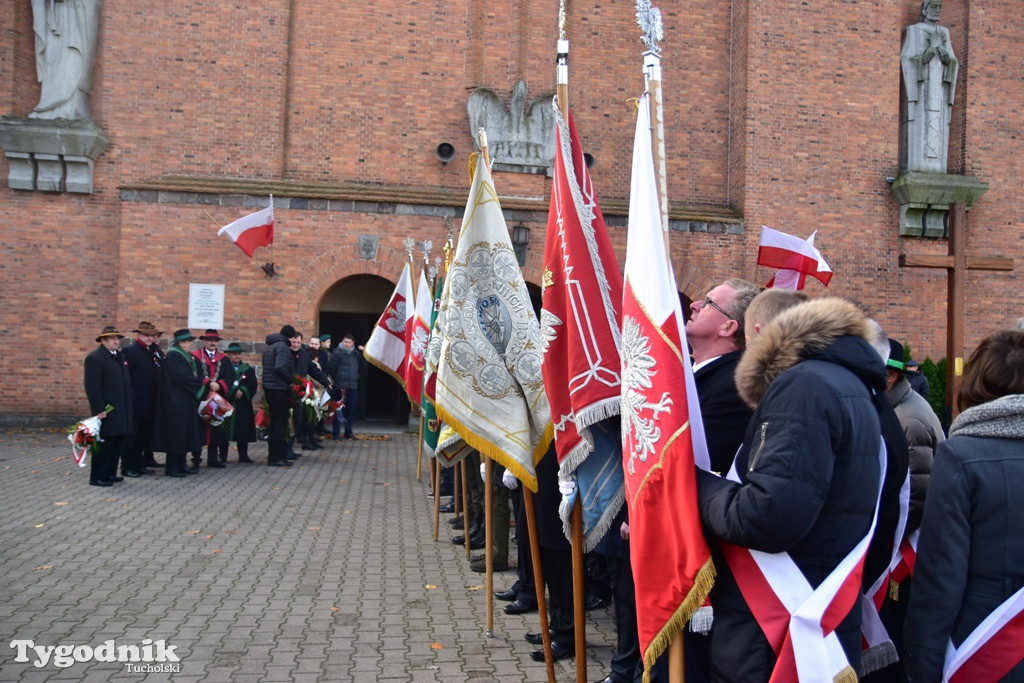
[215, 409]
[306, 396]
[85, 436]
[329, 407]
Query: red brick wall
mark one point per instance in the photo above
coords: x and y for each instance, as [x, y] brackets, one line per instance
[784, 113]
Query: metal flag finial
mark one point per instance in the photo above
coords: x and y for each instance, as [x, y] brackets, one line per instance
[409, 244]
[649, 19]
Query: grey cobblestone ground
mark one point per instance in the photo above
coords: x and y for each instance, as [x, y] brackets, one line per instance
[326, 571]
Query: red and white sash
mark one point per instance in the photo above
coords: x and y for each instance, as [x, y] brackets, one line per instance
[800, 621]
[993, 649]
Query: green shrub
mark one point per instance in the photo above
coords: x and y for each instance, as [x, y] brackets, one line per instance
[935, 373]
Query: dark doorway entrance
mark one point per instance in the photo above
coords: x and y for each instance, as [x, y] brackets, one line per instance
[354, 305]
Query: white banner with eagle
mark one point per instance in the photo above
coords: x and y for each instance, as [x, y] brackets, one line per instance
[386, 347]
[489, 383]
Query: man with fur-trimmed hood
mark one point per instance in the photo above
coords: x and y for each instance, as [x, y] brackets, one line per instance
[808, 474]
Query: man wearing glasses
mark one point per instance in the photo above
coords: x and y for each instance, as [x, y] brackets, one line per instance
[716, 337]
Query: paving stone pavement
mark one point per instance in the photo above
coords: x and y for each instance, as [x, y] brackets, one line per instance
[326, 571]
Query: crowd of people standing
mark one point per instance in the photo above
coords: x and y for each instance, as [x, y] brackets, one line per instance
[187, 399]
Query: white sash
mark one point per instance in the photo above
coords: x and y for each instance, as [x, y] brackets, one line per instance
[817, 657]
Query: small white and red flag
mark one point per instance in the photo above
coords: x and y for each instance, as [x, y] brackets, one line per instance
[254, 230]
[795, 258]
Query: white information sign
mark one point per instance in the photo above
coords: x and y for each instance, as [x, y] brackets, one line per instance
[205, 306]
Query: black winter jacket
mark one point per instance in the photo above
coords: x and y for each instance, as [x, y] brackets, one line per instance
[278, 364]
[809, 469]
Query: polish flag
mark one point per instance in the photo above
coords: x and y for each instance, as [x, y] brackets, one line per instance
[254, 230]
[794, 257]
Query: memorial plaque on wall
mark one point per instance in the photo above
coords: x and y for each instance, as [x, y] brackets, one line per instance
[205, 306]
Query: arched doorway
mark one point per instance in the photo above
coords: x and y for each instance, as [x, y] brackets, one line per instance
[354, 305]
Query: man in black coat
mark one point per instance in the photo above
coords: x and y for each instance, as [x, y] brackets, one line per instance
[240, 381]
[278, 375]
[808, 474]
[145, 364]
[183, 387]
[108, 383]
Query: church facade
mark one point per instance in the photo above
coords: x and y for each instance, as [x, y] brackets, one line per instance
[360, 119]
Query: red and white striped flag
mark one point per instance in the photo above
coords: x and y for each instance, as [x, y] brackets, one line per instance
[662, 433]
[254, 230]
[794, 257]
[386, 346]
[416, 341]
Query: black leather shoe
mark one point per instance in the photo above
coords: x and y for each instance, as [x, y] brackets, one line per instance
[447, 508]
[246, 459]
[611, 679]
[557, 652]
[475, 542]
[315, 445]
[153, 463]
[131, 474]
[279, 463]
[518, 607]
[595, 602]
[481, 566]
[175, 473]
[145, 471]
[509, 595]
[191, 470]
[293, 456]
[117, 480]
[456, 524]
[100, 482]
[217, 465]
[535, 638]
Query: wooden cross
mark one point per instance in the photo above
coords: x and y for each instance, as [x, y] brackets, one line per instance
[957, 263]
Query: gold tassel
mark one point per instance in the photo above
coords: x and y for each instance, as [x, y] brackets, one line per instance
[847, 675]
[894, 591]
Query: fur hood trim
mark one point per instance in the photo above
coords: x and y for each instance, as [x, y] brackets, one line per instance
[795, 335]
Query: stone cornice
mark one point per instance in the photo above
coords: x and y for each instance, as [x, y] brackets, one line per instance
[393, 199]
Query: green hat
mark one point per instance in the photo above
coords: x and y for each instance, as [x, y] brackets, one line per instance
[233, 347]
[325, 337]
[184, 334]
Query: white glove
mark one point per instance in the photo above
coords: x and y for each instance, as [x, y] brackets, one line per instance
[567, 487]
[509, 480]
[483, 472]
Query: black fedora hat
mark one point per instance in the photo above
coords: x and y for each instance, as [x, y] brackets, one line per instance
[109, 331]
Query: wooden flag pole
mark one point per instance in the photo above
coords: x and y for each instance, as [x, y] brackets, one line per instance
[436, 481]
[419, 451]
[538, 581]
[579, 597]
[488, 543]
[465, 503]
[457, 507]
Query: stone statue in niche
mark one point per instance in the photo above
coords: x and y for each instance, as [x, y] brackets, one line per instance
[520, 138]
[929, 82]
[66, 34]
